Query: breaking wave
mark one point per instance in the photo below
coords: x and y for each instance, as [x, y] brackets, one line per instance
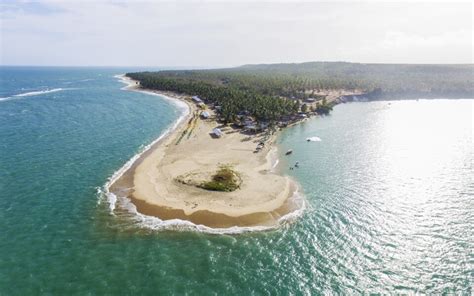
[155, 223]
[40, 92]
[34, 93]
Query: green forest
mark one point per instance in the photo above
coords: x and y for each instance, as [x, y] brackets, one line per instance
[272, 91]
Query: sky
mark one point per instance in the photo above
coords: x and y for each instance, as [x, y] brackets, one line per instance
[225, 33]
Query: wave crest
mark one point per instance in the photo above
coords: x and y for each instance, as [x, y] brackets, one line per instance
[40, 92]
[34, 93]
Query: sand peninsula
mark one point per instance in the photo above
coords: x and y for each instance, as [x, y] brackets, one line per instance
[181, 176]
[166, 181]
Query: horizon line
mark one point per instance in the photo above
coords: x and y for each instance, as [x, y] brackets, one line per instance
[222, 66]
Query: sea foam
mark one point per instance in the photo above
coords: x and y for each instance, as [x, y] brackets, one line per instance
[40, 92]
[34, 93]
[155, 223]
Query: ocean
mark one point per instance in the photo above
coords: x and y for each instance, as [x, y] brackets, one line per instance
[388, 188]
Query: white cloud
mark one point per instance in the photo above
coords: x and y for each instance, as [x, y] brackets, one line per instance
[222, 34]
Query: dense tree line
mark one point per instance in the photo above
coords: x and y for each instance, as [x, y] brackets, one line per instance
[231, 100]
[436, 80]
[265, 91]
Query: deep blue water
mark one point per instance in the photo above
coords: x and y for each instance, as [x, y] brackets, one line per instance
[389, 193]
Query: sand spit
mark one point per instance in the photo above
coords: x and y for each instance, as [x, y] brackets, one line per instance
[152, 181]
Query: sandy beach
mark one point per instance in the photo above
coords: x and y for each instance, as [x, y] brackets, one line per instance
[155, 184]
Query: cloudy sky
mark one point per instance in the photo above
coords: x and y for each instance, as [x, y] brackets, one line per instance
[216, 34]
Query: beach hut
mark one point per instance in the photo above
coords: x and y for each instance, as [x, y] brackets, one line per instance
[196, 99]
[251, 128]
[205, 115]
[217, 132]
[248, 121]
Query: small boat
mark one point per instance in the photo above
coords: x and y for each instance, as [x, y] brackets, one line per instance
[289, 152]
[313, 139]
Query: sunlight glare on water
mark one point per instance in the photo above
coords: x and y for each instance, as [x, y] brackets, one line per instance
[391, 188]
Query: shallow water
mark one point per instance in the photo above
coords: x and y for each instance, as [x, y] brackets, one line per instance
[389, 193]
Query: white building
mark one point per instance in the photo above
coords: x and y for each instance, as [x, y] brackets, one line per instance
[217, 132]
[197, 99]
[205, 114]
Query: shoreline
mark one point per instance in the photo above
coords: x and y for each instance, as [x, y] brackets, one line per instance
[135, 160]
[132, 182]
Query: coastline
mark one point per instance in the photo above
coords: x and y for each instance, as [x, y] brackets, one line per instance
[145, 181]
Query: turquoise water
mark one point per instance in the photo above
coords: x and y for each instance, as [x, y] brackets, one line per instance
[389, 194]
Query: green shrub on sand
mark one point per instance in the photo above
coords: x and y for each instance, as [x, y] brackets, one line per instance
[225, 179]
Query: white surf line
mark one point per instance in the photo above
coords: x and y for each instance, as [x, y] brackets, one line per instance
[34, 93]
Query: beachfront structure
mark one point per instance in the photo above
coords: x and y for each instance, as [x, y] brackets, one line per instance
[254, 127]
[205, 115]
[241, 122]
[248, 122]
[217, 132]
[243, 113]
[251, 128]
[244, 121]
[196, 99]
[302, 115]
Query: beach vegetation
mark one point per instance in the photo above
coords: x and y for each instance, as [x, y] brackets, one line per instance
[225, 179]
[323, 107]
[272, 92]
[304, 108]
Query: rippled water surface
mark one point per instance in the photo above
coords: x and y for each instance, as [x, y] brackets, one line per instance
[389, 191]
